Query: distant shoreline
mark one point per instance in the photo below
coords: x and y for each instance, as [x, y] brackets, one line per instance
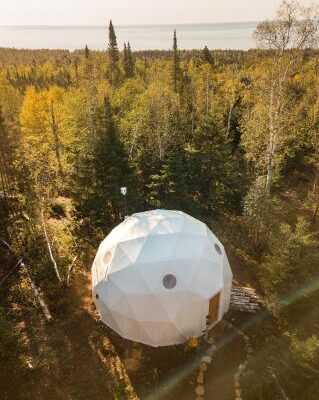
[220, 35]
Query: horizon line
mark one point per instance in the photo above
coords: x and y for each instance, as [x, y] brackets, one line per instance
[129, 25]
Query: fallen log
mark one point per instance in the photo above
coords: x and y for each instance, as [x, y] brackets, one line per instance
[39, 296]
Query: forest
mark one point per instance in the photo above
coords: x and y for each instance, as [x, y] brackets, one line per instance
[230, 137]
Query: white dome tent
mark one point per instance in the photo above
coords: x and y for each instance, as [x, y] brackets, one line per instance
[159, 276]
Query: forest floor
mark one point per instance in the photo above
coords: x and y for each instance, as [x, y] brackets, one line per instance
[76, 357]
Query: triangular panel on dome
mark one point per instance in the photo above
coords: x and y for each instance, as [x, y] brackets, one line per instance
[209, 281]
[188, 246]
[167, 334]
[109, 294]
[123, 306]
[108, 319]
[147, 307]
[183, 270]
[194, 227]
[191, 321]
[119, 260]
[130, 281]
[172, 302]
[157, 248]
[131, 329]
[132, 247]
[168, 226]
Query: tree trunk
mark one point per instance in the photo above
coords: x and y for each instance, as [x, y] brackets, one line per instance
[55, 265]
[207, 98]
[315, 183]
[39, 297]
[193, 116]
[274, 113]
[230, 112]
[91, 93]
[272, 141]
[57, 145]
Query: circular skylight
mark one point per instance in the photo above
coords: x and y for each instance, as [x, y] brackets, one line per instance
[169, 281]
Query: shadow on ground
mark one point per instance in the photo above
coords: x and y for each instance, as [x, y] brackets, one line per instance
[77, 358]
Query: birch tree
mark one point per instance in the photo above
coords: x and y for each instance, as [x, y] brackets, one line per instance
[294, 29]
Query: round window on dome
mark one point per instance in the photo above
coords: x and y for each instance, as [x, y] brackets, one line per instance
[169, 281]
[218, 249]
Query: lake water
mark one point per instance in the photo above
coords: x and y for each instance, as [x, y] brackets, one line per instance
[145, 37]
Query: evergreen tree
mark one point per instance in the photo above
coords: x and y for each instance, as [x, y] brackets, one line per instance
[169, 188]
[112, 170]
[86, 52]
[130, 61]
[113, 54]
[176, 64]
[206, 55]
[91, 89]
[125, 58]
[4, 178]
[294, 253]
[215, 180]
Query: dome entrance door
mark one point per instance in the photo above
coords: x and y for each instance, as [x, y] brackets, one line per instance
[213, 308]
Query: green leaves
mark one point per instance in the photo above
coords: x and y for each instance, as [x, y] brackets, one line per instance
[293, 259]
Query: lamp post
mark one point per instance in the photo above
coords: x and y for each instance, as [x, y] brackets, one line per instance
[124, 193]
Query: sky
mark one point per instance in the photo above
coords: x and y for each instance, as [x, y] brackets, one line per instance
[134, 12]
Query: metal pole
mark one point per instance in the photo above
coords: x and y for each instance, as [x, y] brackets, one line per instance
[125, 207]
[124, 193]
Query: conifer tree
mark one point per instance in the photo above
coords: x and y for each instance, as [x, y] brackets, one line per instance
[128, 62]
[4, 148]
[206, 55]
[125, 55]
[215, 180]
[169, 187]
[113, 54]
[176, 63]
[86, 52]
[112, 170]
[91, 89]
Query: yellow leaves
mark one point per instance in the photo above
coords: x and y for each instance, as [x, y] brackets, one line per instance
[55, 94]
[9, 98]
[39, 132]
[297, 77]
[35, 115]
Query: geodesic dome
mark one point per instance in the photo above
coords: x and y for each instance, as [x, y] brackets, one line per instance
[160, 277]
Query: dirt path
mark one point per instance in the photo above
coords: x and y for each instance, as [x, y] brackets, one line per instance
[220, 374]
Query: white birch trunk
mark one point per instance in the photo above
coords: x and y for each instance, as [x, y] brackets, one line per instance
[271, 144]
[39, 297]
[55, 265]
[57, 145]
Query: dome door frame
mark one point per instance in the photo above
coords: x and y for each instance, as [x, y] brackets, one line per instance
[214, 308]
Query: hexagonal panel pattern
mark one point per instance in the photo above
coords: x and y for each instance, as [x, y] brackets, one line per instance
[154, 275]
